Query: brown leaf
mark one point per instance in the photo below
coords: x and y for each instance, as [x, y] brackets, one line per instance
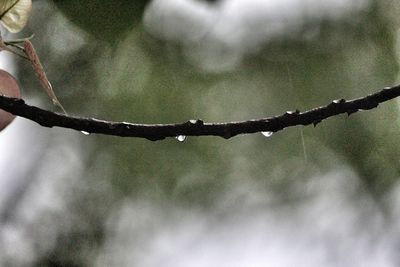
[37, 66]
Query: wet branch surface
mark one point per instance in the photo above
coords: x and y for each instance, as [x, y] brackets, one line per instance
[226, 130]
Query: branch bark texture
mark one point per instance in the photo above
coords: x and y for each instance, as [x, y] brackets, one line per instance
[197, 127]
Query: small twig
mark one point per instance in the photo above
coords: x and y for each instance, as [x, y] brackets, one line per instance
[14, 43]
[4, 47]
[15, 46]
[197, 127]
[18, 41]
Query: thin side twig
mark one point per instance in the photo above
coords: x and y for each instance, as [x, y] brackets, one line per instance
[197, 127]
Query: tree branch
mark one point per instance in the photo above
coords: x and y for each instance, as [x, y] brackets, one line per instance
[227, 130]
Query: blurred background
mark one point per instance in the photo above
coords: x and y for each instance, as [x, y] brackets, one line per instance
[323, 196]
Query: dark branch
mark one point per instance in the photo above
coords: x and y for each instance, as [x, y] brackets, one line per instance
[197, 127]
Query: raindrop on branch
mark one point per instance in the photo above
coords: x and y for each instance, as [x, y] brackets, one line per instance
[267, 134]
[181, 138]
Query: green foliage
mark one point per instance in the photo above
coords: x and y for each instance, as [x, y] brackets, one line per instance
[147, 80]
[105, 20]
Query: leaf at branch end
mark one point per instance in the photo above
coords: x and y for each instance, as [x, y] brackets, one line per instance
[37, 66]
[14, 14]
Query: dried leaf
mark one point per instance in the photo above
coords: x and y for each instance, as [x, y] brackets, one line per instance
[37, 66]
[14, 14]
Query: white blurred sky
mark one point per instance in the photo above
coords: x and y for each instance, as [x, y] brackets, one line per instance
[246, 229]
[216, 37]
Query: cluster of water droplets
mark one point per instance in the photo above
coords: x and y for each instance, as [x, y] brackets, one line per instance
[181, 137]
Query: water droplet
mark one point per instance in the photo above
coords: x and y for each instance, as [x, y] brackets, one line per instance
[338, 101]
[267, 134]
[85, 133]
[195, 122]
[292, 112]
[181, 138]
